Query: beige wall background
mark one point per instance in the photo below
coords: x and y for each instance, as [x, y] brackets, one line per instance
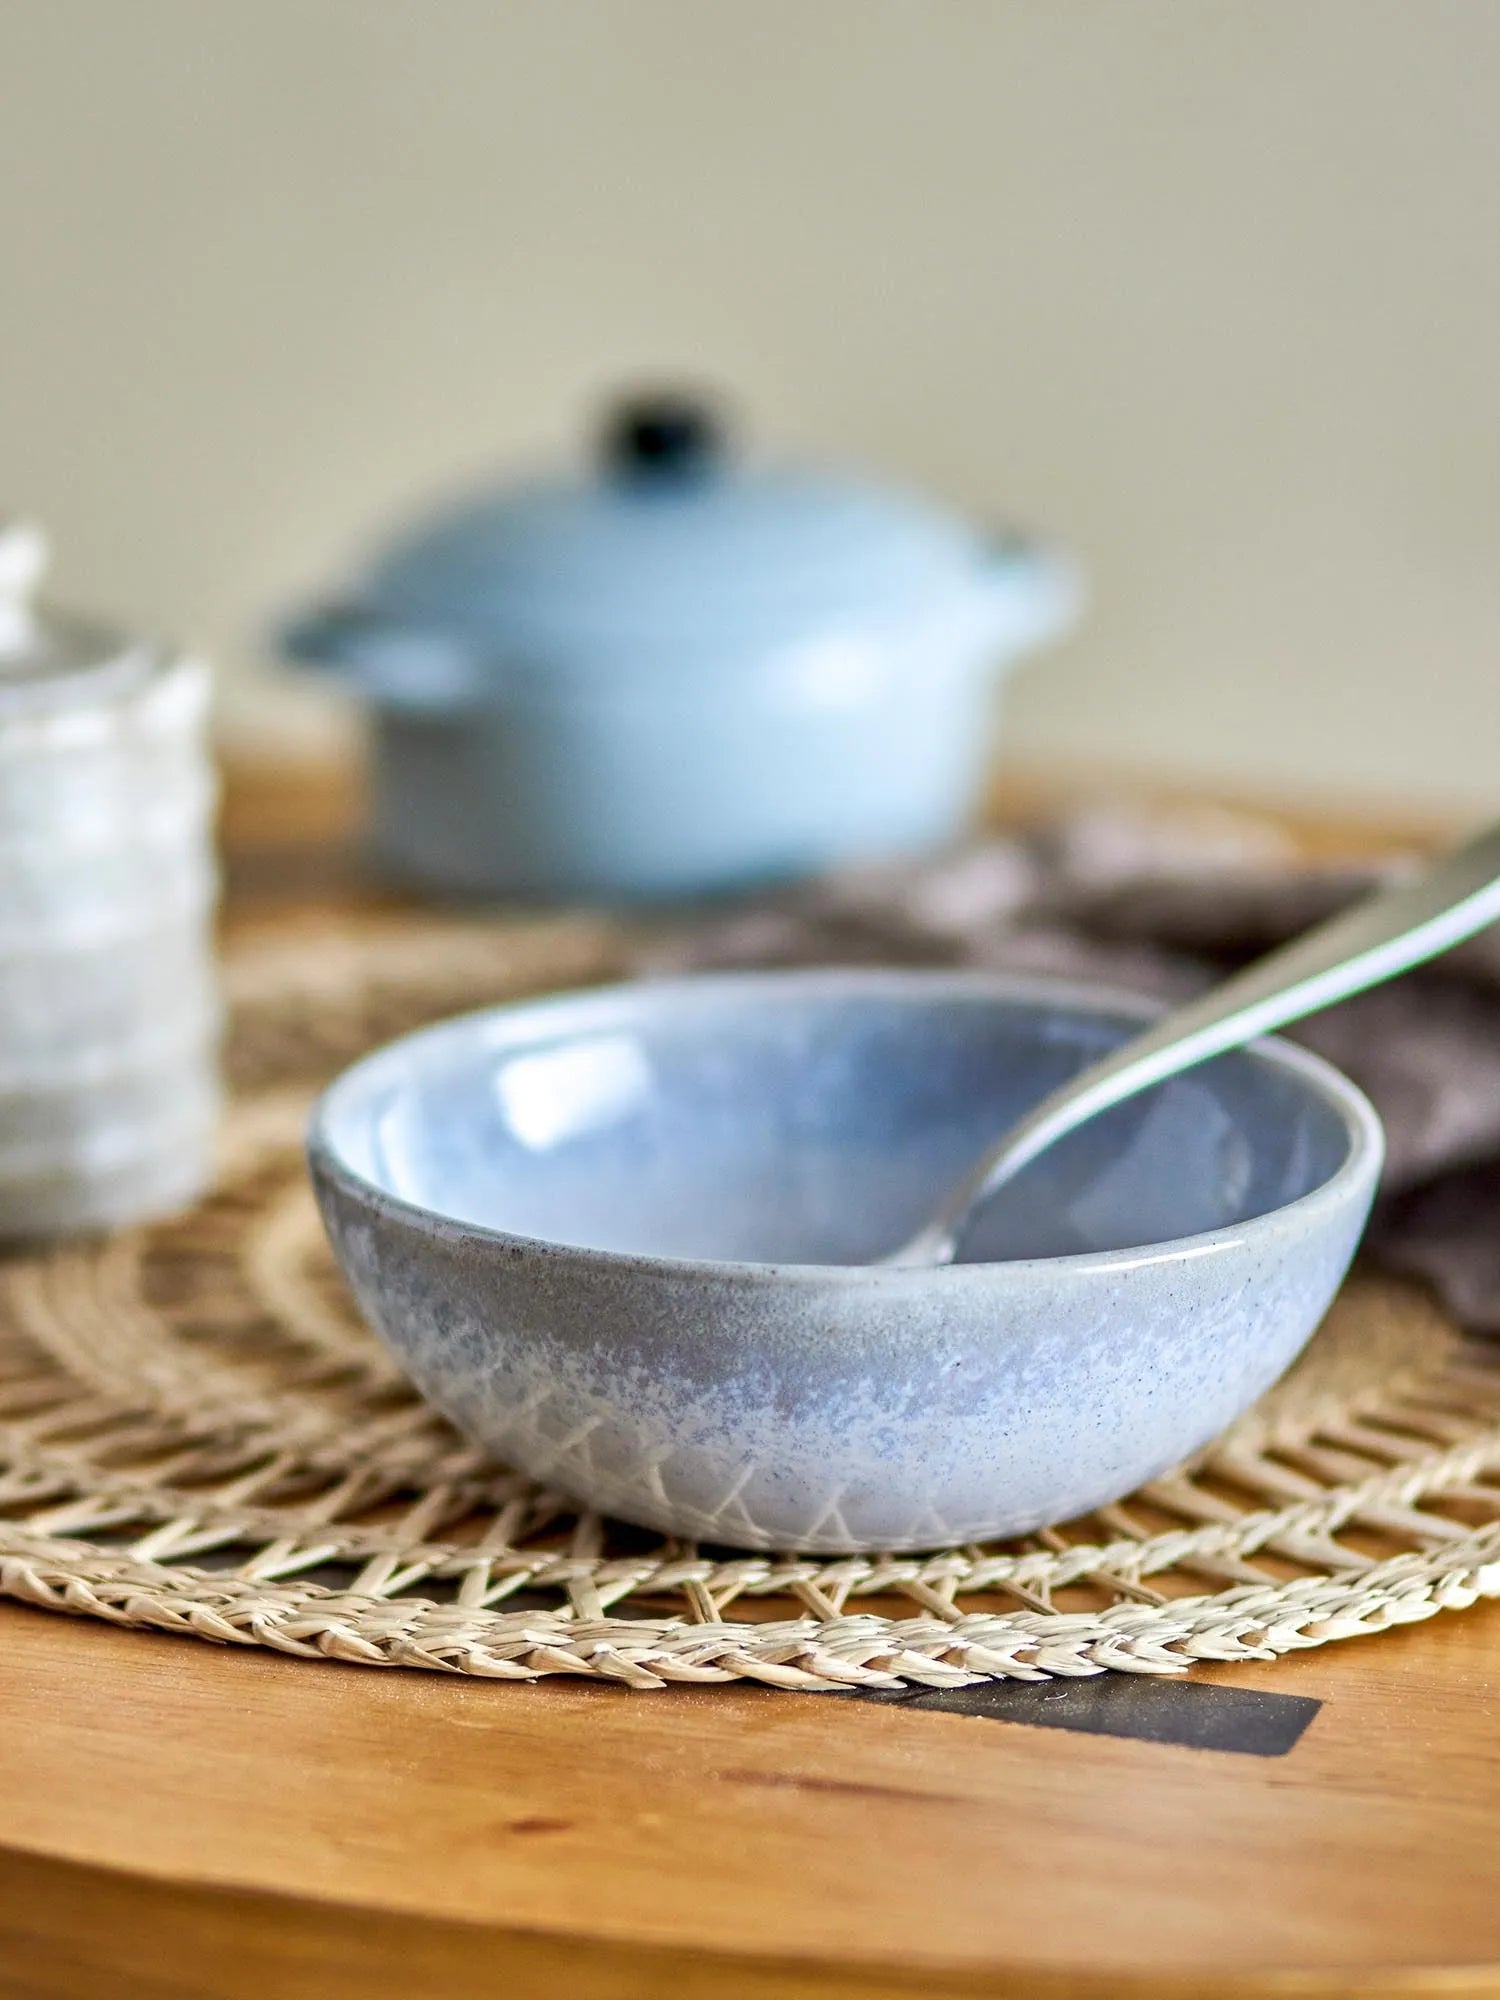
[1212, 290]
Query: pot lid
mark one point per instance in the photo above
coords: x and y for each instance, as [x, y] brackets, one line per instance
[671, 546]
[50, 659]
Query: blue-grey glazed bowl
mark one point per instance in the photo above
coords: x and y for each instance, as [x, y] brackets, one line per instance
[621, 1238]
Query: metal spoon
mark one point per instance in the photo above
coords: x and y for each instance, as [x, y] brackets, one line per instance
[1386, 933]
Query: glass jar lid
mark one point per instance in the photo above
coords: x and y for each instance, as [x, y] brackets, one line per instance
[51, 659]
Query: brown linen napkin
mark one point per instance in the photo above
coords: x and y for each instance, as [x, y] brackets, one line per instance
[1163, 904]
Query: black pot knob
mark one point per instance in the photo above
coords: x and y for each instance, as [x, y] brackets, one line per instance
[665, 437]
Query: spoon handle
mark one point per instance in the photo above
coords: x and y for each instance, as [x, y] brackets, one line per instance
[1380, 936]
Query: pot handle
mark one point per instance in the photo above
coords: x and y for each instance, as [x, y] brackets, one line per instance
[398, 667]
[1039, 587]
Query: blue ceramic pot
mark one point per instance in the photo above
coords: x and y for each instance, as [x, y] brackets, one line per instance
[682, 675]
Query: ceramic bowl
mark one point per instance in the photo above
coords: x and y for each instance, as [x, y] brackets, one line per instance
[620, 1237]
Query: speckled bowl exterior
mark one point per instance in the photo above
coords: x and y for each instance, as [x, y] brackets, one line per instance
[730, 1384]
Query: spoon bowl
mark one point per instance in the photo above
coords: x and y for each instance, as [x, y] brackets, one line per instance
[623, 1238]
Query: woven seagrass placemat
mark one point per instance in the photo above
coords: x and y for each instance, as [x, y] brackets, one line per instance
[198, 1436]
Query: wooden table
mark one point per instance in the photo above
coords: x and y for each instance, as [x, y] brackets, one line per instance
[175, 1820]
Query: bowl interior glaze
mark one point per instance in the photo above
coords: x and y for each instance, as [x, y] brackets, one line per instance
[816, 1118]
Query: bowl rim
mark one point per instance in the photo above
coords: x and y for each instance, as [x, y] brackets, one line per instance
[1354, 1178]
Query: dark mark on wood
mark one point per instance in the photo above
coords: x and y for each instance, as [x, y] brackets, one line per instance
[1197, 1715]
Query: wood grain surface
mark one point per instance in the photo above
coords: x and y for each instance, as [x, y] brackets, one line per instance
[775, 1837]
[177, 1819]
